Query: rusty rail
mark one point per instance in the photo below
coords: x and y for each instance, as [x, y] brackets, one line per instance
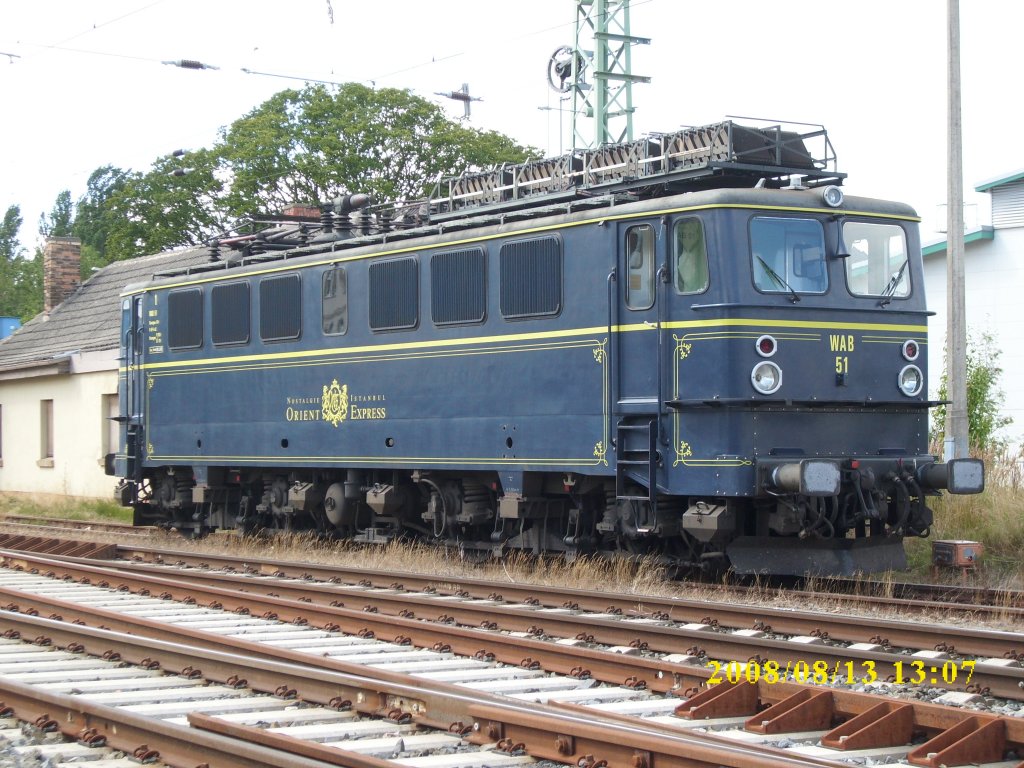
[540, 729]
[789, 707]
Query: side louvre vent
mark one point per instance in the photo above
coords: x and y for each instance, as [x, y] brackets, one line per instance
[394, 295]
[185, 319]
[280, 308]
[458, 287]
[531, 278]
[229, 313]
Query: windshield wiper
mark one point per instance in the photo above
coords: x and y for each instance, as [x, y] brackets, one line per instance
[778, 280]
[894, 281]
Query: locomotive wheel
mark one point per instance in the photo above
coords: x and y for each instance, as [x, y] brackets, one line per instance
[191, 532]
[473, 555]
[631, 546]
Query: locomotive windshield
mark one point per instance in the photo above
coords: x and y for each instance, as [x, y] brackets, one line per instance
[788, 255]
[877, 264]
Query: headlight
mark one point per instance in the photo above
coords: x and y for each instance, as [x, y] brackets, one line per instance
[911, 380]
[766, 377]
[833, 196]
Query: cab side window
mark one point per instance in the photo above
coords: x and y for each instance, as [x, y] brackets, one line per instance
[640, 267]
[334, 306]
[689, 257]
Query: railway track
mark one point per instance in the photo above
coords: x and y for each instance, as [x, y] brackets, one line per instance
[619, 683]
[868, 594]
[396, 701]
[657, 625]
[972, 597]
[695, 610]
[50, 526]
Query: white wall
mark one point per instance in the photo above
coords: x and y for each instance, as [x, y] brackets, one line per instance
[994, 290]
[80, 434]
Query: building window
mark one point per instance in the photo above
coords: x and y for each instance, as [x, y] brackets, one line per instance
[335, 301]
[458, 287]
[185, 319]
[531, 278]
[45, 433]
[394, 295]
[229, 313]
[280, 308]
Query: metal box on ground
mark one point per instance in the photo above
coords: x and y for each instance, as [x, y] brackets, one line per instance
[956, 553]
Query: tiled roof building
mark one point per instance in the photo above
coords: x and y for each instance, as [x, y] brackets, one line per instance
[58, 375]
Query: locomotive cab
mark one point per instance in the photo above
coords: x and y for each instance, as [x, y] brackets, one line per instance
[790, 338]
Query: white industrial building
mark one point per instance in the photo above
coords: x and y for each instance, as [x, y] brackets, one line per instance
[994, 289]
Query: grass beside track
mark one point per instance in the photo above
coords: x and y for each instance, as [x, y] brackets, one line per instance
[995, 518]
[64, 507]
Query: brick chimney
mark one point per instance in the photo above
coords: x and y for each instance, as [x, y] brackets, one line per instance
[62, 258]
[300, 211]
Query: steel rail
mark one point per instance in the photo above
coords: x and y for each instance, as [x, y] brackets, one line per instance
[1007, 605]
[961, 640]
[154, 739]
[614, 668]
[284, 743]
[918, 596]
[978, 598]
[482, 718]
[929, 717]
[54, 523]
[658, 674]
[680, 608]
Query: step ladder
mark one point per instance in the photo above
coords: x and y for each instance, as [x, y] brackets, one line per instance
[638, 456]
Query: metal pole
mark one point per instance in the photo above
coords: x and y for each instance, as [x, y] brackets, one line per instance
[956, 428]
[602, 63]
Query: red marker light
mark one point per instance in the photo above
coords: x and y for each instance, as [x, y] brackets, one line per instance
[766, 346]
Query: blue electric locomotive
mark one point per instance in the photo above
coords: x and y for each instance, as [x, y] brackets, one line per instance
[690, 345]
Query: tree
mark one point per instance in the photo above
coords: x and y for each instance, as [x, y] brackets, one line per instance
[61, 218]
[92, 219]
[168, 207]
[21, 279]
[312, 145]
[28, 287]
[10, 248]
[300, 146]
[984, 396]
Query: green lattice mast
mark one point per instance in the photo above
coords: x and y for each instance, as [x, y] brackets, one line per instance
[603, 45]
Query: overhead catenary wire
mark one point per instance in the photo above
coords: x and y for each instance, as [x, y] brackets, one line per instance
[59, 46]
[33, 50]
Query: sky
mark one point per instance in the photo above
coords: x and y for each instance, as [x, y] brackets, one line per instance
[83, 85]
